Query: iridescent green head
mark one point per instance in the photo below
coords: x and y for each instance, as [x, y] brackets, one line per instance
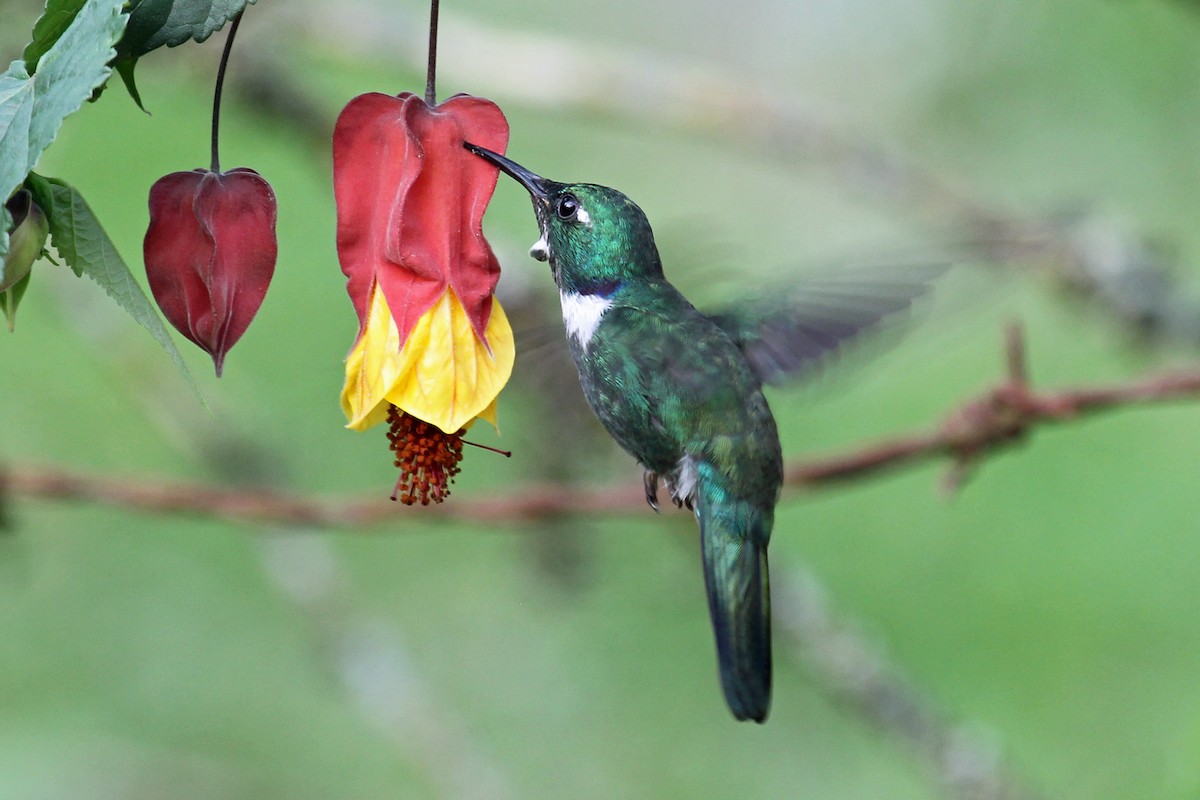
[594, 237]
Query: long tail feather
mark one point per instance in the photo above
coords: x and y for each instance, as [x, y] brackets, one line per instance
[733, 544]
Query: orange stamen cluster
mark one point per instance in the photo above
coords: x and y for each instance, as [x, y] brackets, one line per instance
[426, 455]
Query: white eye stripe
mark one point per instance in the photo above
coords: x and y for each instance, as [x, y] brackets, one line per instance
[582, 216]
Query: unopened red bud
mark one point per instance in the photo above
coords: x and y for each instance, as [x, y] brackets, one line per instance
[210, 253]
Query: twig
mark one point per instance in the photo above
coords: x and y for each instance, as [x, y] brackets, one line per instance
[979, 427]
[1002, 416]
[286, 508]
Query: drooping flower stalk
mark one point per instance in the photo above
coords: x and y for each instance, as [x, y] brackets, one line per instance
[215, 164]
[431, 62]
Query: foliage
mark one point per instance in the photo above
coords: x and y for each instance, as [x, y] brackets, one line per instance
[33, 106]
[155, 23]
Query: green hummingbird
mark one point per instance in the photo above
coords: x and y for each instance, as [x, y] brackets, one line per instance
[681, 391]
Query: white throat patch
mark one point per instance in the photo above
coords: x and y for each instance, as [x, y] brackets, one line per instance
[582, 314]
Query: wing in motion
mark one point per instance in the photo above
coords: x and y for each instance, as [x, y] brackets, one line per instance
[785, 335]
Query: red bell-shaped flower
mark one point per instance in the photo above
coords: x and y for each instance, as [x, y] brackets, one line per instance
[210, 253]
[410, 203]
[434, 347]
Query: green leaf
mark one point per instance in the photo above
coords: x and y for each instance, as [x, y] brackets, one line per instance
[124, 68]
[83, 244]
[146, 19]
[155, 23]
[50, 26]
[16, 112]
[32, 108]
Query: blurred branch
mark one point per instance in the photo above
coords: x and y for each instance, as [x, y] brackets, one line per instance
[257, 506]
[1000, 417]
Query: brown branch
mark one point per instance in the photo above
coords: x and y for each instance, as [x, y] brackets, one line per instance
[267, 506]
[999, 418]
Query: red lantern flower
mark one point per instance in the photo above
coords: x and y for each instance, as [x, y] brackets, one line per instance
[433, 347]
[210, 253]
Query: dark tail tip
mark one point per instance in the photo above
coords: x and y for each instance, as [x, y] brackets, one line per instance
[746, 678]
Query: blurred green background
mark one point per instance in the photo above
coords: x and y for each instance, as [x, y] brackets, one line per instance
[1040, 630]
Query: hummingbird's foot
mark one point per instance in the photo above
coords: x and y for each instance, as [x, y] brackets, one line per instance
[650, 479]
[682, 503]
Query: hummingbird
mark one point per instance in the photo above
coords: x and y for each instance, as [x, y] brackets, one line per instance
[682, 391]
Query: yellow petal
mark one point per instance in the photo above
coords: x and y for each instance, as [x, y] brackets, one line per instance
[489, 414]
[373, 366]
[453, 378]
[443, 374]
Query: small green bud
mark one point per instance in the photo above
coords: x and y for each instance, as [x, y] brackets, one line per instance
[26, 241]
[26, 238]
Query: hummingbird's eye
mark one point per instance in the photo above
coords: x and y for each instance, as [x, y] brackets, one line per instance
[567, 207]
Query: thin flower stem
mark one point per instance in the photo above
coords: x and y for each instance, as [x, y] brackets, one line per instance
[431, 68]
[216, 115]
[505, 453]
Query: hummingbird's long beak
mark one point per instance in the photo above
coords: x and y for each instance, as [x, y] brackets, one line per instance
[536, 185]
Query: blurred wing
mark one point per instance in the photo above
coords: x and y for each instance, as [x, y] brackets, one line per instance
[784, 336]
